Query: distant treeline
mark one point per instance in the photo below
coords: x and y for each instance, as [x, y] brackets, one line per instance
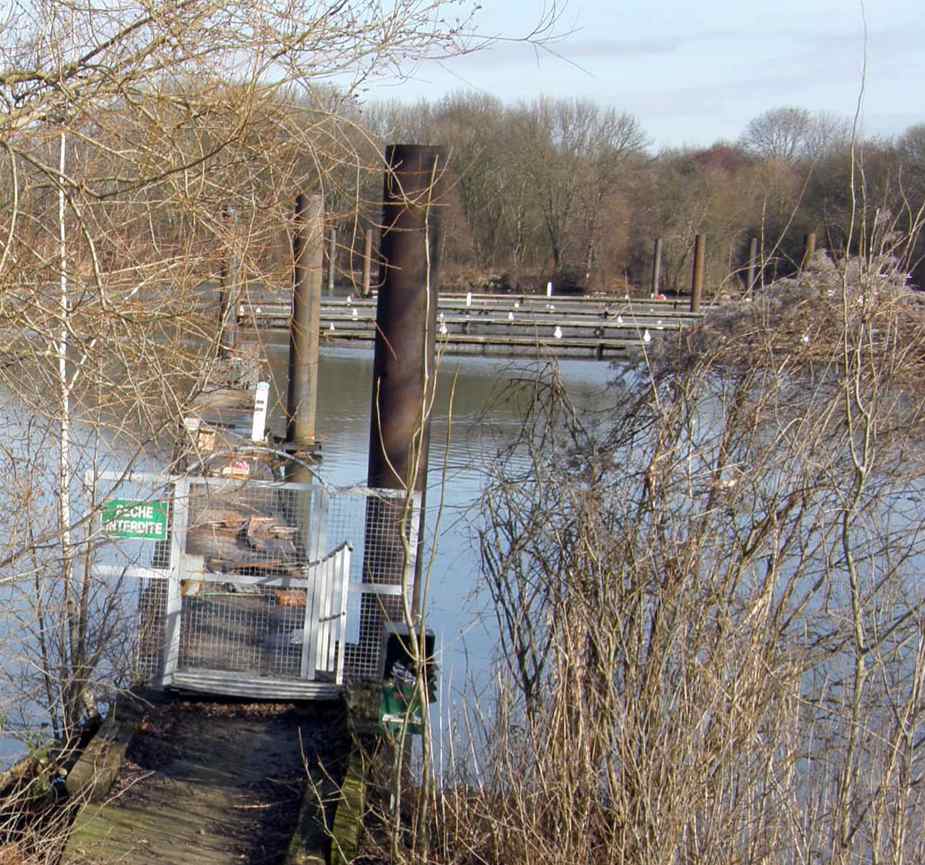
[552, 189]
[567, 185]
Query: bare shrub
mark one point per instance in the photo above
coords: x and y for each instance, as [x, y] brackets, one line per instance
[710, 616]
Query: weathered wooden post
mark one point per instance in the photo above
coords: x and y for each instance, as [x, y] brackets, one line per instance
[752, 264]
[657, 267]
[332, 260]
[403, 382]
[809, 248]
[368, 263]
[697, 273]
[230, 289]
[304, 326]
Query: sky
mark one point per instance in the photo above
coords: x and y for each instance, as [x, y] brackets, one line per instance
[694, 73]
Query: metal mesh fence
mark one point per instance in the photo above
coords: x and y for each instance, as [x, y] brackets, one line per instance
[151, 624]
[240, 632]
[236, 586]
[252, 528]
[382, 526]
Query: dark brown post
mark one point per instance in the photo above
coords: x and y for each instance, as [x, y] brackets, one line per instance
[697, 273]
[304, 326]
[368, 262]
[332, 260]
[230, 289]
[657, 266]
[403, 371]
[752, 263]
[809, 248]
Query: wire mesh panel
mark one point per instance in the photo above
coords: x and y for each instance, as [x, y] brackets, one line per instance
[244, 594]
[261, 635]
[383, 527]
[151, 622]
[243, 632]
[131, 551]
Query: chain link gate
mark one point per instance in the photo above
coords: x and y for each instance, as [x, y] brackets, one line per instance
[253, 588]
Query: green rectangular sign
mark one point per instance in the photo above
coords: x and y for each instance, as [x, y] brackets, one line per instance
[125, 518]
[399, 707]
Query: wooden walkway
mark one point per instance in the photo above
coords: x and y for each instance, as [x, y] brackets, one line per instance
[504, 324]
[211, 784]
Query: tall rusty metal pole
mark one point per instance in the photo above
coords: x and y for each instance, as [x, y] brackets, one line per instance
[809, 248]
[230, 289]
[304, 327]
[368, 263]
[697, 273]
[752, 264]
[657, 266]
[403, 376]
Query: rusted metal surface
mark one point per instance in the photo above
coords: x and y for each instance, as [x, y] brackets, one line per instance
[697, 273]
[304, 325]
[403, 370]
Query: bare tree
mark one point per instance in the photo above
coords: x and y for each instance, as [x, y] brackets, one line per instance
[578, 152]
[791, 134]
[126, 131]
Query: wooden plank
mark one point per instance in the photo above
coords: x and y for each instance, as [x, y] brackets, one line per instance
[213, 784]
[280, 313]
[94, 772]
[351, 808]
[520, 341]
[311, 841]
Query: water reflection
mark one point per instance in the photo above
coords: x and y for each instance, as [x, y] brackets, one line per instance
[474, 415]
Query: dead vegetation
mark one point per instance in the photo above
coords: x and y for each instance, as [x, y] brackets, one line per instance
[798, 321]
[712, 626]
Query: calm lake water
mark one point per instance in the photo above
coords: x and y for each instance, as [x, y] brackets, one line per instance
[466, 434]
[464, 437]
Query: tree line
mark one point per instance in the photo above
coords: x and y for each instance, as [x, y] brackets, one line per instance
[569, 188]
[561, 189]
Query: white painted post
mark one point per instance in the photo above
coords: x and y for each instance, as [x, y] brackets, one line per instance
[343, 586]
[261, 400]
[177, 570]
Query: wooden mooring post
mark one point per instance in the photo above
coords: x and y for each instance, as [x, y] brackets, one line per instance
[230, 288]
[304, 326]
[752, 264]
[657, 267]
[367, 263]
[332, 260]
[697, 269]
[809, 248]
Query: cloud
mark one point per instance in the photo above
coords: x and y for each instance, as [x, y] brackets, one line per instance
[828, 39]
[588, 48]
[576, 50]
